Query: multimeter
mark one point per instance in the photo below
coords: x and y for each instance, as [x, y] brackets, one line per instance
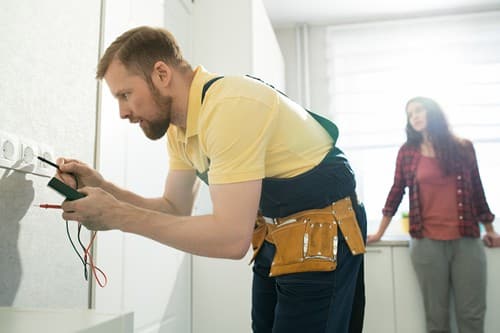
[69, 192]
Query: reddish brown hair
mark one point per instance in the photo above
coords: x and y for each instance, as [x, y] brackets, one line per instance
[139, 49]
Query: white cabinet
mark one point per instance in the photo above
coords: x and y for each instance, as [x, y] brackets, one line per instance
[379, 312]
[492, 322]
[409, 307]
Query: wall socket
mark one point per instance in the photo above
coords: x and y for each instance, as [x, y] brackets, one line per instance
[46, 152]
[20, 154]
[9, 149]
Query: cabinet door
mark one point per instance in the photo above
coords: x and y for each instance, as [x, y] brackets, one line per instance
[492, 320]
[379, 312]
[410, 315]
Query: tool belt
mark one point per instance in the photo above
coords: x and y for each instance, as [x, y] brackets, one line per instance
[307, 241]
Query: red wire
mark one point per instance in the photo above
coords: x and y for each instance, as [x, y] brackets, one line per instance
[86, 253]
[49, 206]
[94, 268]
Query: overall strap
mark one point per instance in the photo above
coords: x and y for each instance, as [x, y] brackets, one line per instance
[207, 85]
[204, 175]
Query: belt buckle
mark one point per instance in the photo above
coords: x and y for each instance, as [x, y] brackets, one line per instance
[279, 222]
[270, 220]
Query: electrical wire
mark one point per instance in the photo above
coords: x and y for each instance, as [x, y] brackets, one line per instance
[85, 272]
[87, 259]
[74, 247]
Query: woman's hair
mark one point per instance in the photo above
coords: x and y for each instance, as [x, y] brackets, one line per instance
[139, 49]
[448, 147]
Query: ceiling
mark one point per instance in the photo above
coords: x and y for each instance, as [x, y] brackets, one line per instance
[326, 12]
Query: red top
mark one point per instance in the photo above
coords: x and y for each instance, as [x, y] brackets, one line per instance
[438, 200]
[470, 204]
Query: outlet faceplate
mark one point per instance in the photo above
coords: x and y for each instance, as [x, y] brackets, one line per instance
[21, 154]
[43, 168]
[9, 150]
[28, 153]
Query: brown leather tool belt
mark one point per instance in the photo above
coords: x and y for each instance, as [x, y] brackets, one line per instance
[307, 241]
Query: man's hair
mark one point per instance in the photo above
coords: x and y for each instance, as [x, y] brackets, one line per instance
[139, 49]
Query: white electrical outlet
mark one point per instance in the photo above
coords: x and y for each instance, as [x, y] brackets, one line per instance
[45, 169]
[21, 154]
[9, 150]
[28, 155]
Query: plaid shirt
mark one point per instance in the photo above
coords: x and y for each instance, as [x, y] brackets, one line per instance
[471, 202]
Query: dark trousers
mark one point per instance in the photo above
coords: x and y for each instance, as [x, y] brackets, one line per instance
[311, 302]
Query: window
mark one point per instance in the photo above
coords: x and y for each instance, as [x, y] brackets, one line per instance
[375, 68]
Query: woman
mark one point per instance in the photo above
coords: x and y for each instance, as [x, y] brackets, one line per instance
[446, 203]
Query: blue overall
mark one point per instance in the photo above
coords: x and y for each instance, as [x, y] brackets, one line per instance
[310, 302]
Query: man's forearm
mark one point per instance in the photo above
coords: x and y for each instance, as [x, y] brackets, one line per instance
[201, 235]
[157, 204]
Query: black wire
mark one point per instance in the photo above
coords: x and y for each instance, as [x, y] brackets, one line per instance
[85, 272]
[84, 261]
[73, 244]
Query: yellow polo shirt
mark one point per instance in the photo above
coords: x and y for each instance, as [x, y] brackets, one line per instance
[243, 131]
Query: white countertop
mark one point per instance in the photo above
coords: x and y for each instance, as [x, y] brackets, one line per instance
[393, 240]
[28, 320]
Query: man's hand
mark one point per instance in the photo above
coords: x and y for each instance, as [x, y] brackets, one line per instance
[99, 210]
[86, 176]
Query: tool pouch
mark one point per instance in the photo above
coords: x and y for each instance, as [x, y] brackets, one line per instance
[260, 232]
[305, 243]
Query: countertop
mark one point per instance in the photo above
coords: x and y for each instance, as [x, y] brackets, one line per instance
[393, 240]
[31, 320]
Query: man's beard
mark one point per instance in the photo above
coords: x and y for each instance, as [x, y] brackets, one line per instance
[156, 129]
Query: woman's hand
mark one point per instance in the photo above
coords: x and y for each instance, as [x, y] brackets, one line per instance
[384, 223]
[491, 239]
[373, 238]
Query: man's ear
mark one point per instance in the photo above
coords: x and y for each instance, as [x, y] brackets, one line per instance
[162, 74]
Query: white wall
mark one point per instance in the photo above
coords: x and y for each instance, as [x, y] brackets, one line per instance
[47, 94]
[318, 84]
[222, 44]
[267, 59]
[222, 32]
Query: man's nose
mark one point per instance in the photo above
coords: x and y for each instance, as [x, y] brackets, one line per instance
[124, 111]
